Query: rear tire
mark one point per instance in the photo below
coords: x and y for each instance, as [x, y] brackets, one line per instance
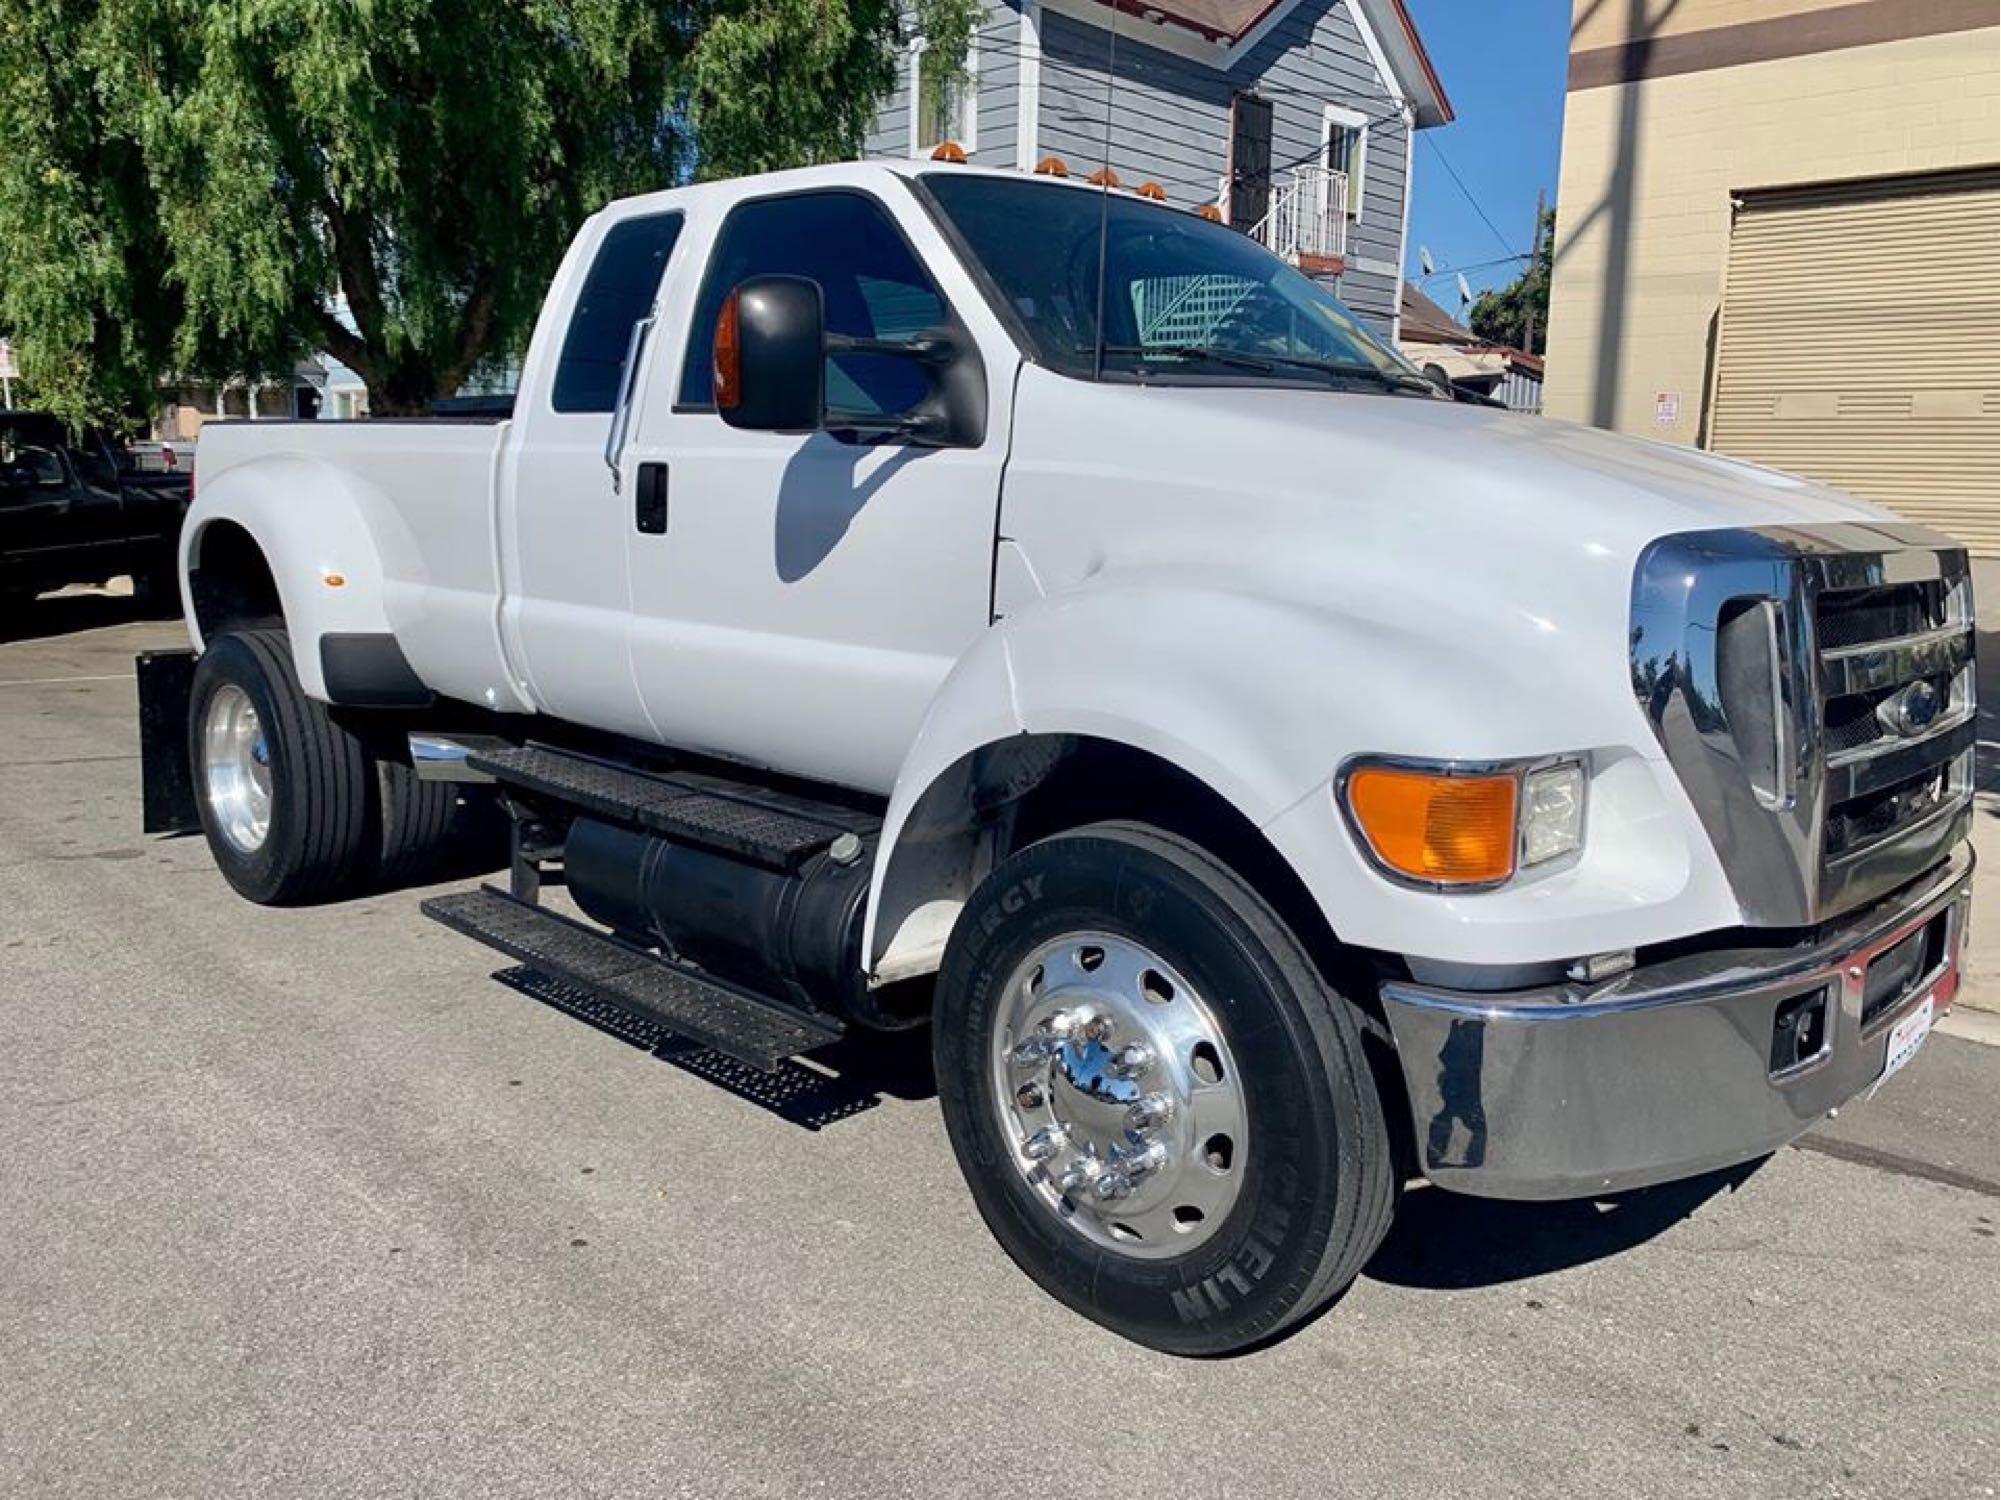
[287, 796]
[433, 829]
[1316, 1181]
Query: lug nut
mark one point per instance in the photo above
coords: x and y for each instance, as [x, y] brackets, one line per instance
[1045, 1143]
[1112, 1186]
[1035, 1049]
[1149, 1110]
[1097, 1028]
[1140, 1163]
[1132, 1059]
[1081, 1173]
[1029, 1096]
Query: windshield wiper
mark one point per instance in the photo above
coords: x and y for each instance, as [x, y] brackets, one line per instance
[1393, 380]
[1232, 357]
[1268, 364]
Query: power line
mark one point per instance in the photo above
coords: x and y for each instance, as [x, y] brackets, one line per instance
[1439, 152]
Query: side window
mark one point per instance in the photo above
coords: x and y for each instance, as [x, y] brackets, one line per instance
[875, 288]
[617, 292]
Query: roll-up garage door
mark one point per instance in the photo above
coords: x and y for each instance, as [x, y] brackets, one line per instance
[1860, 344]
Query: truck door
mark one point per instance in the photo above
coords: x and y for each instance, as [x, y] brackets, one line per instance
[798, 599]
[564, 522]
[55, 526]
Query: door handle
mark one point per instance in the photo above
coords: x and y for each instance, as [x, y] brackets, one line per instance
[649, 499]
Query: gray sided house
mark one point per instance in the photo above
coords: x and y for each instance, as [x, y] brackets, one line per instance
[1295, 118]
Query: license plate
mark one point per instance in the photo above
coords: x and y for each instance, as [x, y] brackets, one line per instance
[1906, 1037]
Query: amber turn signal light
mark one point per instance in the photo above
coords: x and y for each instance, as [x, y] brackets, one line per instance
[1436, 828]
[728, 357]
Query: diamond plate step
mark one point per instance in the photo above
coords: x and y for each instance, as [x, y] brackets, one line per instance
[735, 1022]
[778, 832]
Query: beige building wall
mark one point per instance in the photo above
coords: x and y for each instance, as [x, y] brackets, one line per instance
[1643, 202]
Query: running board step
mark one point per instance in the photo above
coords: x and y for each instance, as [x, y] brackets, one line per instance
[778, 832]
[735, 1022]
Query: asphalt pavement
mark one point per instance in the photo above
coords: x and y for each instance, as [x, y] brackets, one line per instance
[301, 1203]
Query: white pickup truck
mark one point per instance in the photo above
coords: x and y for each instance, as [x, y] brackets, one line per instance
[909, 593]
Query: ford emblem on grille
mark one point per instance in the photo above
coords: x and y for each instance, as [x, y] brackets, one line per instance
[1910, 711]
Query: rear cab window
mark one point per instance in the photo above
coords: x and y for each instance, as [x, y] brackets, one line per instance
[618, 291]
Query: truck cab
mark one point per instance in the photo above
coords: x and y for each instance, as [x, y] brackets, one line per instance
[905, 593]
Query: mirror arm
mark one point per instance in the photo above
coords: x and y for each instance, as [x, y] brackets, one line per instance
[929, 350]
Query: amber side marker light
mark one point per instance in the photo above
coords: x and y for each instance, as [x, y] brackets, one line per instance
[728, 357]
[1436, 828]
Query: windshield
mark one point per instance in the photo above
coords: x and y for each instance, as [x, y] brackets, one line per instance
[1184, 297]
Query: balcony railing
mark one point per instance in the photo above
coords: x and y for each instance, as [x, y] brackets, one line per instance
[1307, 219]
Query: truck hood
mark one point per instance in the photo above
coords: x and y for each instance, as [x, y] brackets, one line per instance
[1481, 467]
[1482, 558]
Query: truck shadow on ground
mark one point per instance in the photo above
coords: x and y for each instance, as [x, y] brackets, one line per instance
[1445, 1241]
[68, 614]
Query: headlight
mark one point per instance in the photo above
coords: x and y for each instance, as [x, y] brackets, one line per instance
[1552, 812]
[1464, 827]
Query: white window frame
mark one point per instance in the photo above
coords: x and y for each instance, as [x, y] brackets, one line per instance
[969, 107]
[1339, 116]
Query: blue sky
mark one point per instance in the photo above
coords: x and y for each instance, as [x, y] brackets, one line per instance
[1503, 64]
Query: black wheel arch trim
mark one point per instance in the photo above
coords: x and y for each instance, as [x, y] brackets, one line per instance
[367, 669]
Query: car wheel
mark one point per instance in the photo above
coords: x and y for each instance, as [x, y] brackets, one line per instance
[1164, 1113]
[286, 794]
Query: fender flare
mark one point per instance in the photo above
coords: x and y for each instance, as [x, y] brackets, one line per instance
[1152, 665]
[320, 530]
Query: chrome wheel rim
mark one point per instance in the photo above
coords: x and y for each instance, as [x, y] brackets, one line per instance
[1119, 1096]
[236, 769]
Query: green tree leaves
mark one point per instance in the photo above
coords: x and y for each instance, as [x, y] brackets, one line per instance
[186, 186]
[1503, 316]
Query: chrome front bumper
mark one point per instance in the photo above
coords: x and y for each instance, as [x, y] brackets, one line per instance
[1664, 1072]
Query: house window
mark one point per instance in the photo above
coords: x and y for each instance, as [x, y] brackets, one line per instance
[1346, 151]
[942, 108]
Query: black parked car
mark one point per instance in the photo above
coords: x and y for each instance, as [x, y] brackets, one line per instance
[77, 511]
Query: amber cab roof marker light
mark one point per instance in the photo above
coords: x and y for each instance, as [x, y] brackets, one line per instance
[949, 151]
[1210, 212]
[1103, 177]
[1051, 166]
[1152, 190]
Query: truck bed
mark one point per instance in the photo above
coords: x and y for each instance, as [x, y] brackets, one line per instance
[424, 490]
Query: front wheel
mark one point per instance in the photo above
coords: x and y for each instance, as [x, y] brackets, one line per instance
[1164, 1114]
[285, 793]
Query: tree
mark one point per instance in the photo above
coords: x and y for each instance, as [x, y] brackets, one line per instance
[1503, 316]
[187, 185]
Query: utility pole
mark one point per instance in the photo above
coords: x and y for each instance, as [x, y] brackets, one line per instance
[1535, 259]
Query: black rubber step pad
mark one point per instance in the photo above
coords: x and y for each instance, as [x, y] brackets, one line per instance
[610, 791]
[781, 840]
[775, 837]
[751, 1028]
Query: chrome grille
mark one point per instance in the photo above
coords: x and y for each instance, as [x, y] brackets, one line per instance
[1829, 753]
